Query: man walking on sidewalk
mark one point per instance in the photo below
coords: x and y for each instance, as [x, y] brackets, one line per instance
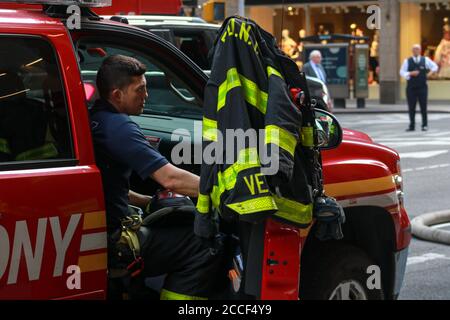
[415, 70]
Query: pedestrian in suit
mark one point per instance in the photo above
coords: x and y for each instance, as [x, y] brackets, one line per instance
[313, 68]
[415, 70]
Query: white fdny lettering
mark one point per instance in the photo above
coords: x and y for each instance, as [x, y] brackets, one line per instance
[22, 241]
[4, 249]
[22, 247]
[62, 242]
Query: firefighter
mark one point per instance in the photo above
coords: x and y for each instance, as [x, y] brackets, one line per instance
[121, 148]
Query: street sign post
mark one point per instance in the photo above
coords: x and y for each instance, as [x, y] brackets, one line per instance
[361, 67]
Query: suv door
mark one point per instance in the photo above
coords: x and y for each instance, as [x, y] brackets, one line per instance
[52, 219]
[175, 87]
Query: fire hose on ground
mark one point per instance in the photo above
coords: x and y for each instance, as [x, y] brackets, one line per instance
[421, 226]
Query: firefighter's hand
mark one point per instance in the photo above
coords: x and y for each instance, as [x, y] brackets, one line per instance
[414, 73]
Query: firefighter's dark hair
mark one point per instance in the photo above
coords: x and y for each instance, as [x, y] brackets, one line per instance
[116, 72]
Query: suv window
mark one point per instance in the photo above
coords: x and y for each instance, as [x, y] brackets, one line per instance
[195, 44]
[167, 95]
[34, 123]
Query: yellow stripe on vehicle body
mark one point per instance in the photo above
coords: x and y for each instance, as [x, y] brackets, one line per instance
[359, 186]
[93, 262]
[94, 220]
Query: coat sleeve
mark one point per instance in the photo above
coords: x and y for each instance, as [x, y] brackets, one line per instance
[282, 128]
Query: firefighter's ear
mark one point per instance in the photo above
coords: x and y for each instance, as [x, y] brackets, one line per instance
[117, 95]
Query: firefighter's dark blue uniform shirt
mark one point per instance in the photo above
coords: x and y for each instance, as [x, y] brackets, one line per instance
[120, 148]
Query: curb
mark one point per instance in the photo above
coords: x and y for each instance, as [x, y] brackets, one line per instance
[421, 226]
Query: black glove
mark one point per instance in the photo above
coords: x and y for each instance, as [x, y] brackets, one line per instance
[330, 217]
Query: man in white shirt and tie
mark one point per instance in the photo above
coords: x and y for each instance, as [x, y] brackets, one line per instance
[313, 68]
[415, 70]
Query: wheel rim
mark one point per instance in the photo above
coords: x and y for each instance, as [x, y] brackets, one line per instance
[349, 290]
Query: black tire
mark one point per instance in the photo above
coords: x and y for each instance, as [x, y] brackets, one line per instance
[336, 265]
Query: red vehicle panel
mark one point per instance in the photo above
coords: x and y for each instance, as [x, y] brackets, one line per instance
[53, 218]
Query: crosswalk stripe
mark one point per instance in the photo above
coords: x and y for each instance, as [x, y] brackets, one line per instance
[422, 154]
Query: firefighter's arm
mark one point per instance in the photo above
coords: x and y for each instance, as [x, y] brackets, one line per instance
[177, 180]
[138, 200]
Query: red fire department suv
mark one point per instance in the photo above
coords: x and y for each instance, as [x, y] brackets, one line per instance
[52, 213]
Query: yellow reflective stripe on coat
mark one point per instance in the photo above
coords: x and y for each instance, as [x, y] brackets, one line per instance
[252, 93]
[254, 205]
[203, 203]
[247, 159]
[209, 129]
[307, 136]
[4, 146]
[294, 211]
[273, 71]
[46, 151]
[281, 137]
[170, 295]
[232, 81]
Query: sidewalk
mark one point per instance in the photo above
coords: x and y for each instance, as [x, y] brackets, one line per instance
[376, 107]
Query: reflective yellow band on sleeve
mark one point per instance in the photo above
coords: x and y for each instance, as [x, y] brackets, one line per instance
[232, 81]
[170, 295]
[281, 137]
[209, 129]
[247, 159]
[4, 146]
[273, 71]
[307, 136]
[254, 205]
[252, 93]
[44, 152]
[203, 203]
[216, 193]
[294, 211]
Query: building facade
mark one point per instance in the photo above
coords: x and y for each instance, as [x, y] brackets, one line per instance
[402, 24]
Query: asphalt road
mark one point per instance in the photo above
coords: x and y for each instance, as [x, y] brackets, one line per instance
[425, 159]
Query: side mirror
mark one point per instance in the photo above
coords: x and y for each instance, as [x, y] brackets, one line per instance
[329, 130]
